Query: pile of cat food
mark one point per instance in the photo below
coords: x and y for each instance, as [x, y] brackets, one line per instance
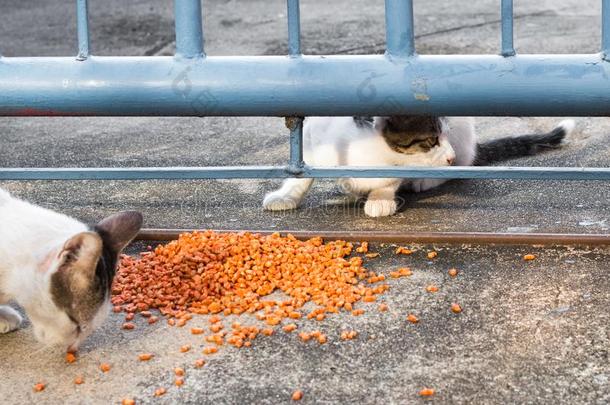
[234, 273]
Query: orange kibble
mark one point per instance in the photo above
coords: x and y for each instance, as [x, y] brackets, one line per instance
[160, 391]
[128, 401]
[432, 255]
[197, 331]
[128, 326]
[267, 332]
[152, 319]
[427, 392]
[247, 344]
[304, 336]
[199, 363]
[272, 320]
[179, 371]
[383, 307]
[405, 271]
[289, 328]
[185, 348]
[179, 382]
[403, 251]
[217, 327]
[181, 322]
[146, 314]
[456, 308]
[105, 367]
[297, 395]
[320, 317]
[39, 387]
[210, 350]
[145, 356]
[372, 255]
[214, 319]
[412, 318]
[295, 315]
[70, 357]
[322, 339]
[453, 272]
[130, 316]
[116, 309]
[529, 257]
[432, 288]
[79, 380]
[369, 298]
[357, 312]
[363, 248]
[171, 322]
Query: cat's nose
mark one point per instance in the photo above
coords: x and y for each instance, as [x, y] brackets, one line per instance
[450, 160]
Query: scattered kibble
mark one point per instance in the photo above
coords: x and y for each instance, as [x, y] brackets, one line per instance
[357, 312]
[146, 314]
[105, 367]
[432, 255]
[128, 326]
[79, 380]
[179, 382]
[70, 357]
[39, 387]
[456, 308]
[432, 288]
[297, 395]
[529, 257]
[453, 272]
[197, 331]
[363, 248]
[130, 316]
[152, 319]
[412, 318]
[383, 307]
[128, 401]
[160, 392]
[267, 331]
[199, 363]
[179, 372]
[185, 348]
[427, 392]
[304, 336]
[348, 334]
[145, 356]
[372, 255]
[210, 350]
[290, 327]
[403, 251]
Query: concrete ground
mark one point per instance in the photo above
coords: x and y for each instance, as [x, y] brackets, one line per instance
[535, 333]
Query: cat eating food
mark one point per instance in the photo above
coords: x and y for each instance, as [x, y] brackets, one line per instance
[399, 141]
[58, 269]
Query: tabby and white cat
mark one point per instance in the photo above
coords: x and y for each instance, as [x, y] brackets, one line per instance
[58, 269]
[400, 141]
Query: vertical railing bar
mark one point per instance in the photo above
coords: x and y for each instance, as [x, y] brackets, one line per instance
[296, 164]
[400, 40]
[189, 29]
[294, 28]
[508, 48]
[606, 29]
[82, 28]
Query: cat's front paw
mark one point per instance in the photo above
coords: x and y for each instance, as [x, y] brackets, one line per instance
[380, 208]
[9, 319]
[278, 202]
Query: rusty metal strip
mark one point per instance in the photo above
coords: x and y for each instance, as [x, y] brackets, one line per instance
[476, 238]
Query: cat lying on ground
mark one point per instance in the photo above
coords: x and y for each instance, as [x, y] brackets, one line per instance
[58, 269]
[400, 141]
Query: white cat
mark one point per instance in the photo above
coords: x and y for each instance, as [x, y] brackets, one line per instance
[399, 141]
[58, 269]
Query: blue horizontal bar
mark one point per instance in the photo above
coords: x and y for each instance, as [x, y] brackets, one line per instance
[526, 85]
[244, 172]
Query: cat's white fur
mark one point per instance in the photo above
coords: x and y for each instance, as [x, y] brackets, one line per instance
[338, 141]
[31, 238]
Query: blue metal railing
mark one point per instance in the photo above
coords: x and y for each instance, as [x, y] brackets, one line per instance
[399, 82]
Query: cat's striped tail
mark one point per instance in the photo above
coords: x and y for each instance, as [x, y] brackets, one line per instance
[502, 149]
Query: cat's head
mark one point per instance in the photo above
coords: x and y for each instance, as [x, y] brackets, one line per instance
[419, 138]
[79, 279]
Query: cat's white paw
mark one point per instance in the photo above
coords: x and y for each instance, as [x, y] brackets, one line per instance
[279, 202]
[9, 319]
[379, 208]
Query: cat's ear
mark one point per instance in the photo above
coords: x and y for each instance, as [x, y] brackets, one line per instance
[78, 259]
[119, 229]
